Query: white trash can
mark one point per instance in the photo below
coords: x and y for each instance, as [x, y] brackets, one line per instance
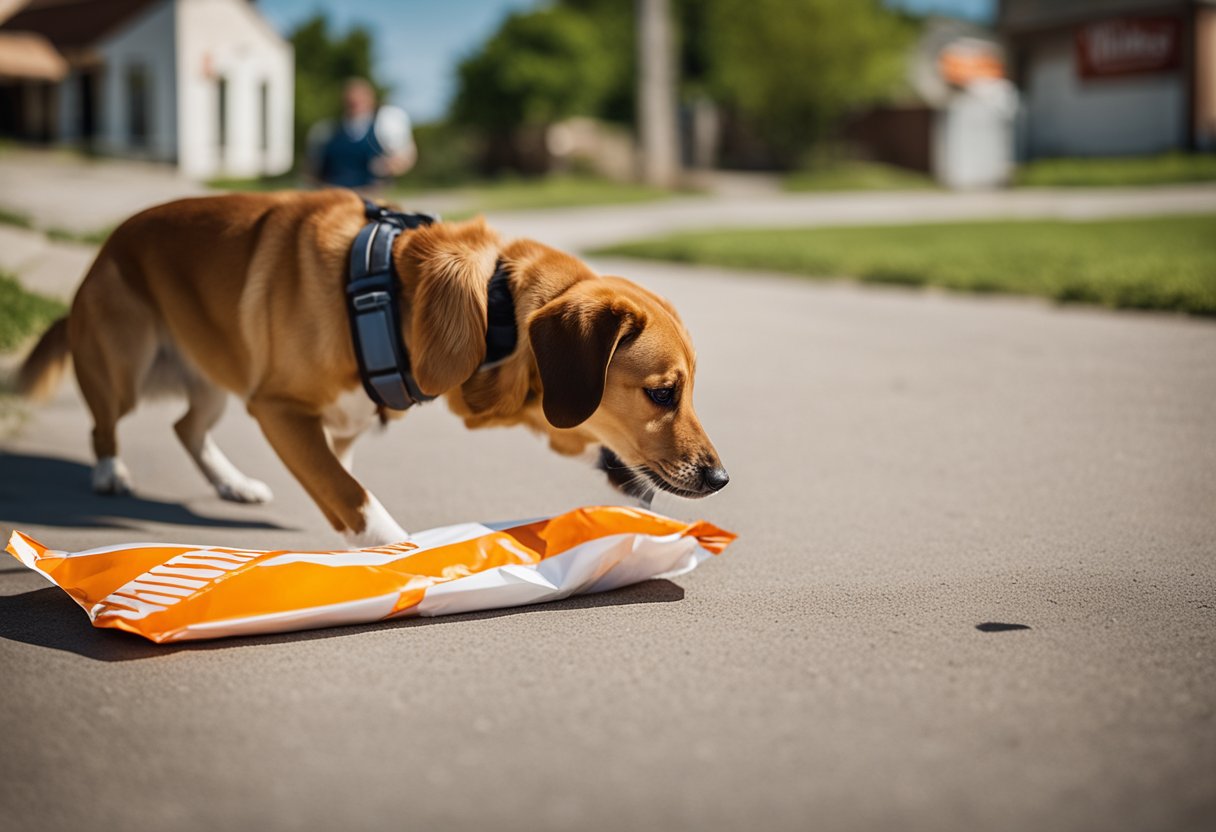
[973, 144]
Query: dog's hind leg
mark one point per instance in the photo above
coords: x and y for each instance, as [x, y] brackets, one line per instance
[113, 342]
[207, 403]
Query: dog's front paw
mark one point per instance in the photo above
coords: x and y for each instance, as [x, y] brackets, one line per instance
[379, 528]
[246, 490]
[111, 477]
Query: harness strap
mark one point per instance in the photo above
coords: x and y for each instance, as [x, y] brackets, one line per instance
[501, 329]
[374, 310]
[372, 304]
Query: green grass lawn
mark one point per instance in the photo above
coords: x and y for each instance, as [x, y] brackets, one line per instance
[281, 182]
[17, 218]
[556, 191]
[508, 194]
[23, 313]
[858, 176]
[91, 238]
[1119, 171]
[1158, 263]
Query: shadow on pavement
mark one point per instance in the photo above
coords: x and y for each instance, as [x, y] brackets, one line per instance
[1000, 627]
[49, 618]
[49, 491]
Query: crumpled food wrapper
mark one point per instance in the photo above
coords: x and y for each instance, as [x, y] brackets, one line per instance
[168, 592]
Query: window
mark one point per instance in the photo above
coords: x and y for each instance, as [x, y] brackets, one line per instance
[264, 116]
[137, 105]
[221, 121]
[87, 91]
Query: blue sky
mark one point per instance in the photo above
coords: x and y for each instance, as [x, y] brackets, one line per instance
[420, 42]
[981, 10]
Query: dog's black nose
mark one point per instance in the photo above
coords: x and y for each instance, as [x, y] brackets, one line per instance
[715, 479]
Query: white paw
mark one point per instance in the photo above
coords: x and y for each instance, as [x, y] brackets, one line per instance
[110, 476]
[245, 490]
[379, 529]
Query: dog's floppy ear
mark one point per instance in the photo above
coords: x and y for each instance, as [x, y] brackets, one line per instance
[453, 264]
[573, 338]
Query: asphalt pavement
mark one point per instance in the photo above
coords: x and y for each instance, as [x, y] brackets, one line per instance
[909, 471]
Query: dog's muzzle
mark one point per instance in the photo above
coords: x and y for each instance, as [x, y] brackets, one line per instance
[641, 482]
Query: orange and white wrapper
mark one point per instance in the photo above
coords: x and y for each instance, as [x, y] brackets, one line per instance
[168, 592]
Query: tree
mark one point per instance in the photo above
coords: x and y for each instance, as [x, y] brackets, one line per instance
[616, 25]
[795, 67]
[616, 30]
[541, 66]
[324, 60]
[786, 71]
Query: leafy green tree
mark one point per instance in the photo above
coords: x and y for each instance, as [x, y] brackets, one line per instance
[793, 68]
[615, 29]
[616, 26]
[324, 60]
[786, 70]
[540, 67]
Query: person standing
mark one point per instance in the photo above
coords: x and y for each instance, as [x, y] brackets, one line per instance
[367, 146]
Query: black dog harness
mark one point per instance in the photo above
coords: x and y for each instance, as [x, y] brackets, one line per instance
[372, 304]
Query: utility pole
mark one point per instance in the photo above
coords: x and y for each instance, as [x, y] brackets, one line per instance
[657, 128]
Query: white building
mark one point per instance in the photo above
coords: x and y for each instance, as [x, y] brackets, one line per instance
[206, 85]
[1114, 77]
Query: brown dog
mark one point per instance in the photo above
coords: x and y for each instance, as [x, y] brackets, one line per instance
[244, 294]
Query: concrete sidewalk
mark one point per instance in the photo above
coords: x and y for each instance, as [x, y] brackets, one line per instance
[60, 189]
[905, 466]
[52, 268]
[81, 195]
[585, 228]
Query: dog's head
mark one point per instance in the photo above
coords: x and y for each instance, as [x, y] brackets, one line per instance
[611, 361]
[617, 368]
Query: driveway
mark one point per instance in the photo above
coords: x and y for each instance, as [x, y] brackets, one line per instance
[975, 588]
[62, 189]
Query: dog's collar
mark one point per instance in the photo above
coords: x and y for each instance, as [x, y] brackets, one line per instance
[502, 333]
[372, 305]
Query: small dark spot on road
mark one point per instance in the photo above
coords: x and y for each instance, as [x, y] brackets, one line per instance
[999, 627]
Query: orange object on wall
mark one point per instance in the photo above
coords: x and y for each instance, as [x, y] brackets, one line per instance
[962, 64]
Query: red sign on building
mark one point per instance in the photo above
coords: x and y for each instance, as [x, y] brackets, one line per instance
[1129, 46]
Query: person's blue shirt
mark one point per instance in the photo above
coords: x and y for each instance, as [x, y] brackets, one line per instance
[350, 153]
[346, 161]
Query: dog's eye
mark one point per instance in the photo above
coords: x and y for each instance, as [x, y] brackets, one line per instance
[662, 396]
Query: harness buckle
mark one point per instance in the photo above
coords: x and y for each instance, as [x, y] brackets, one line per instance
[371, 300]
[404, 220]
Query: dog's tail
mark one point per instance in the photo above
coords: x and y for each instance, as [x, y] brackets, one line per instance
[44, 367]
